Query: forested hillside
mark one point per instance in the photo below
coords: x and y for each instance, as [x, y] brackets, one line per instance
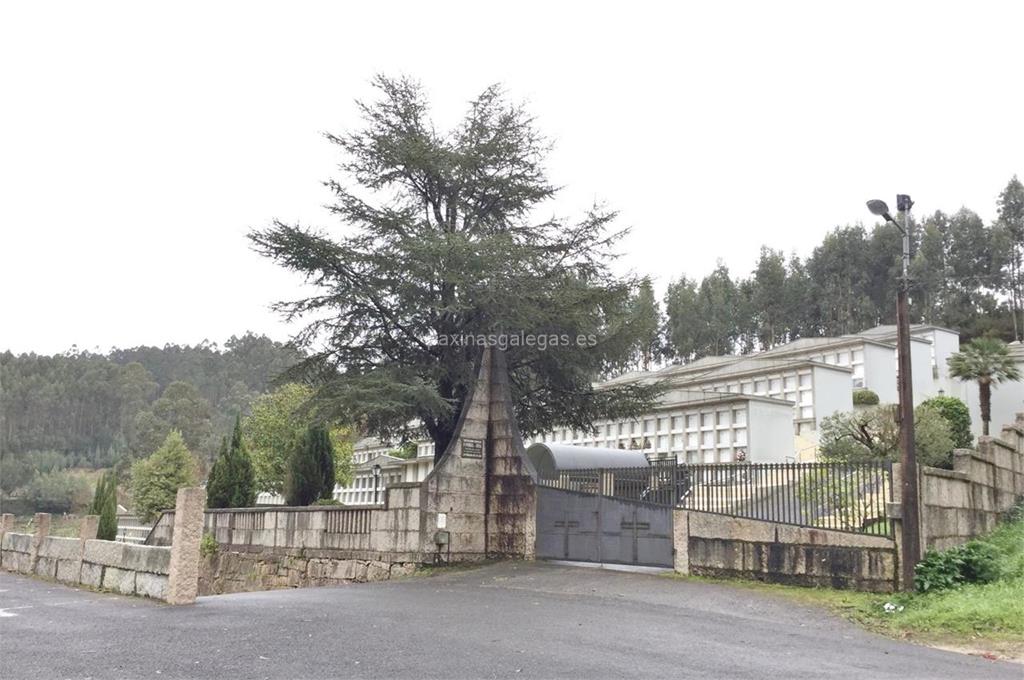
[92, 410]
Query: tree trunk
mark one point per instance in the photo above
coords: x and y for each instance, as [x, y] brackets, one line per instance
[985, 397]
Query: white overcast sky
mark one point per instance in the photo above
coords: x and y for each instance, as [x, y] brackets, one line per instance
[139, 142]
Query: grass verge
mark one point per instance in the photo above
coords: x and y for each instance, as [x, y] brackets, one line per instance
[980, 618]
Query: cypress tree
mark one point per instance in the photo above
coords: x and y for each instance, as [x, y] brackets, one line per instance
[232, 482]
[311, 468]
[107, 529]
[217, 489]
[325, 453]
[243, 487]
[99, 495]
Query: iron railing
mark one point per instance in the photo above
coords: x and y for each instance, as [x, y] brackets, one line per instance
[839, 496]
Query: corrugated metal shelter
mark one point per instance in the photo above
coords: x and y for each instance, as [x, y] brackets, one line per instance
[550, 459]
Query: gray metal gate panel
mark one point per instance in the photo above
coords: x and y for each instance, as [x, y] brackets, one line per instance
[592, 528]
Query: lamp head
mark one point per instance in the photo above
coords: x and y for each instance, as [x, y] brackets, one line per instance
[878, 207]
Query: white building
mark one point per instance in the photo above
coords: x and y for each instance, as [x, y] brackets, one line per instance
[375, 467]
[761, 407]
[697, 427]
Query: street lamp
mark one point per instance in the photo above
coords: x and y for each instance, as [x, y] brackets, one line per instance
[376, 481]
[911, 542]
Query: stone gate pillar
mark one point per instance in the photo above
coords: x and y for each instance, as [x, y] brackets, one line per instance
[183, 576]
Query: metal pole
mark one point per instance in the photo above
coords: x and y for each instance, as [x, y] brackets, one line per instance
[911, 513]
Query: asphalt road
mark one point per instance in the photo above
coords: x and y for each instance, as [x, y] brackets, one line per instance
[503, 620]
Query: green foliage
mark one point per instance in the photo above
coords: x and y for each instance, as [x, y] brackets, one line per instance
[440, 241]
[156, 480]
[231, 483]
[99, 495]
[326, 501]
[311, 468]
[865, 397]
[645, 318]
[973, 562]
[58, 491]
[275, 427]
[873, 434]
[208, 545]
[406, 451]
[88, 406]
[107, 529]
[15, 472]
[957, 416]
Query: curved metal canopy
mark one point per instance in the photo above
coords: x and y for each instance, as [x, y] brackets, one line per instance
[550, 459]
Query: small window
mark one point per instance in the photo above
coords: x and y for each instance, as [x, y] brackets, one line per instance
[739, 416]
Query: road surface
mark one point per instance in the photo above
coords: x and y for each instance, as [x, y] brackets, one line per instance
[508, 620]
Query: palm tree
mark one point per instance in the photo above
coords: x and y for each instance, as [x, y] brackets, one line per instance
[988, 361]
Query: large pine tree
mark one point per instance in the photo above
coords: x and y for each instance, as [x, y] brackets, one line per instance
[443, 246]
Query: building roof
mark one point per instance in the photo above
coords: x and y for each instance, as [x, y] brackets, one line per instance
[384, 460]
[550, 459]
[887, 332]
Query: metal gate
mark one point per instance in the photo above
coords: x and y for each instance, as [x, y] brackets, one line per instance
[593, 528]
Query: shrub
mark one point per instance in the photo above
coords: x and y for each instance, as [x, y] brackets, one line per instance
[956, 415]
[873, 434]
[208, 545]
[864, 397]
[973, 562]
[156, 480]
[327, 501]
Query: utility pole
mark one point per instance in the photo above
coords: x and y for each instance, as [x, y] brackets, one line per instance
[911, 537]
[909, 492]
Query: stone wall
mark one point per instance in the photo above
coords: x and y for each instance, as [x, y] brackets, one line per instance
[717, 545]
[967, 501]
[163, 573]
[234, 571]
[104, 565]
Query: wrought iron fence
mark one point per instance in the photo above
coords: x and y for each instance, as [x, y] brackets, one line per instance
[840, 496]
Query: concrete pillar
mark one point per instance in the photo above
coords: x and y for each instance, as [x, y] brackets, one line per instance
[42, 525]
[681, 541]
[89, 527]
[6, 524]
[183, 579]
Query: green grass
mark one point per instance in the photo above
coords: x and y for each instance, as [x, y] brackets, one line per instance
[979, 616]
[60, 525]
